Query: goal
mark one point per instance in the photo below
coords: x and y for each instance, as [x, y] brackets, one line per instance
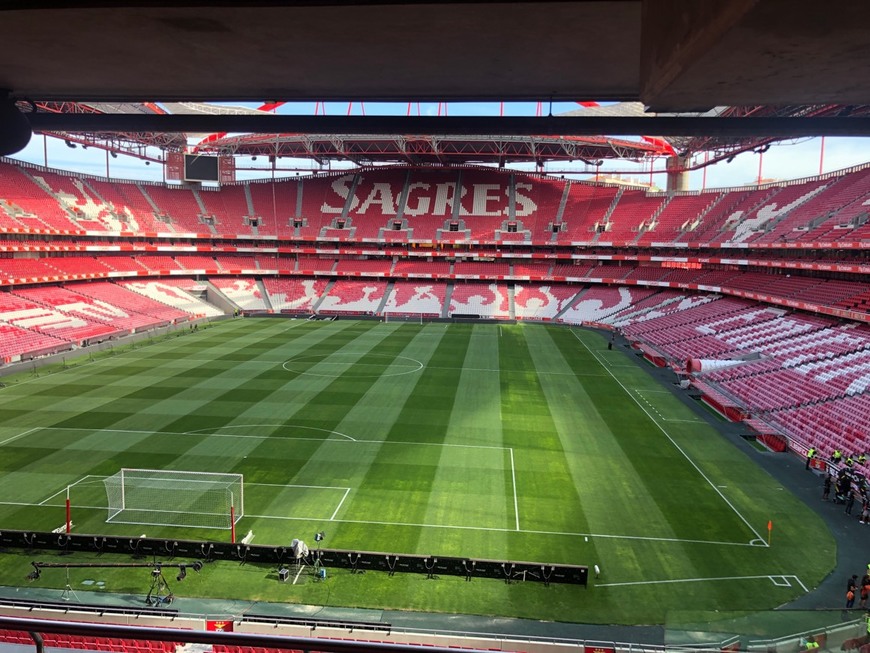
[175, 498]
[403, 316]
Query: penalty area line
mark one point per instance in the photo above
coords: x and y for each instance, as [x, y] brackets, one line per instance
[20, 435]
[340, 503]
[670, 581]
[514, 483]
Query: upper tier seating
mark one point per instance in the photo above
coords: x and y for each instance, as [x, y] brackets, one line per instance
[179, 203]
[633, 211]
[229, 207]
[274, 203]
[30, 205]
[585, 208]
[678, 213]
[448, 205]
[130, 207]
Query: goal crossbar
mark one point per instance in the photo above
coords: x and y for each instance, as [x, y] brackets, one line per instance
[175, 498]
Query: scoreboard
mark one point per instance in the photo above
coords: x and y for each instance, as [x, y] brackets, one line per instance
[199, 168]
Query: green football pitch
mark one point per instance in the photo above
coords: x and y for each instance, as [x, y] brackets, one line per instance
[514, 442]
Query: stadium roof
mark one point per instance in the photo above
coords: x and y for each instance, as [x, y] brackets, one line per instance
[669, 60]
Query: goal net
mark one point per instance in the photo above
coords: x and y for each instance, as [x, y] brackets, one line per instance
[402, 316]
[175, 498]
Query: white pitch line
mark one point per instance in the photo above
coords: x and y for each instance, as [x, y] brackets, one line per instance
[486, 529]
[514, 483]
[338, 507]
[673, 442]
[20, 435]
[699, 580]
[272, 437]
[305, 487]
[669, 540]
[47, 499]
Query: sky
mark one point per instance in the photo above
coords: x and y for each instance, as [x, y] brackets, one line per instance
[783, 161]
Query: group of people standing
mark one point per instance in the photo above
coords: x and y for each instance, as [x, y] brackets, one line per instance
[854, 589]
[836, 457]
[849, 486]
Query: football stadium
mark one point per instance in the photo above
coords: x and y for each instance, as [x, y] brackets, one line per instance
[437, 326]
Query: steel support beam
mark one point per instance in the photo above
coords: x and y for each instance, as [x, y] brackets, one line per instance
[460, 125]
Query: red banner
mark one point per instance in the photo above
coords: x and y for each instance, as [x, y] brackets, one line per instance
[220, 626]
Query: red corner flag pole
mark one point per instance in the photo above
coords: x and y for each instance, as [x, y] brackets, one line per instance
[232, 524]
[68, 522]
[769, 529]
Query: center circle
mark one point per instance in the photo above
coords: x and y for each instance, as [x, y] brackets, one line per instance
[351, 365]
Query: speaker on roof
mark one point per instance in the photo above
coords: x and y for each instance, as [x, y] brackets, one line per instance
[15, 129]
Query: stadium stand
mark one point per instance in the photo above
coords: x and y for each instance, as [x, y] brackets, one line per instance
[180, 205]
[597, 303]
[165, 292]
[294, 295]
[122, 298]
[485, 300]
[88, 308]
[26, 314]
[243, 292]
[712, 308]
[541, 302]
[348, 296]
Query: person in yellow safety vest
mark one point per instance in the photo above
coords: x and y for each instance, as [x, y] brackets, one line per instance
[811, 453]
[837, 456]
[849, 461]
[862, 458]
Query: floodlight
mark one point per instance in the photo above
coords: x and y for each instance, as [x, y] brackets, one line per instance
[182, 573]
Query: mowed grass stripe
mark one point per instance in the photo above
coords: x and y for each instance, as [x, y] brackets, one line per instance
[259, 397]
[338, 461]
[664, 456]
[472, 486]
[690, 506]
[162, 392]
[548, 494]
[397, 486]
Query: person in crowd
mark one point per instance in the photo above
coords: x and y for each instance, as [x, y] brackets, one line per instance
[851, 588]
[811, 453]
[850, 502]
[837, 456]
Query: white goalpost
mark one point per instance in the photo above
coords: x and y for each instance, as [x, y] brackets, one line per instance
[403, 316]
[175, 498]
